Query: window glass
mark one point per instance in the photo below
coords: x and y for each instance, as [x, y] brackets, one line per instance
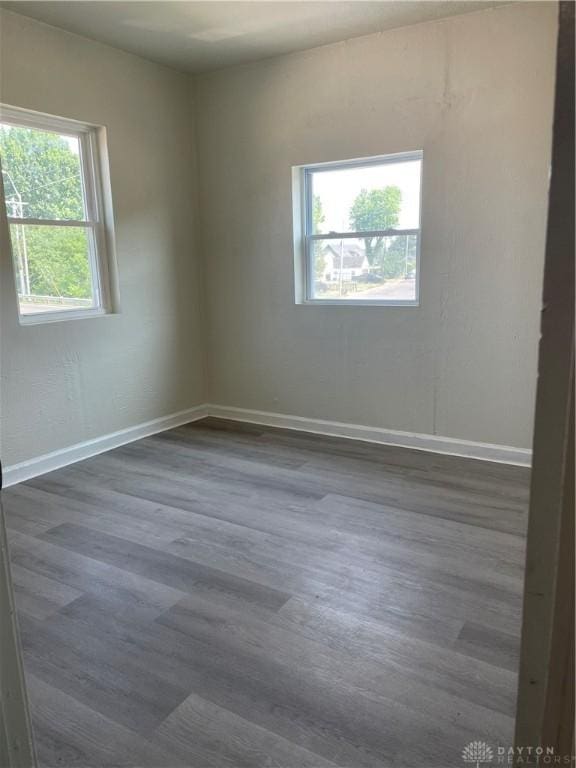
[362, 230]
[369, 269]
[368, 197]
[42, 174]
[58, 239]
[53, 268]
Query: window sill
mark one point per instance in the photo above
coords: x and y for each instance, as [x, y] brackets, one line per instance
[42, 318]
[355, 303]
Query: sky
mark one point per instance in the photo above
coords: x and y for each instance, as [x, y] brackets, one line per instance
[73, 143]
[338, 189]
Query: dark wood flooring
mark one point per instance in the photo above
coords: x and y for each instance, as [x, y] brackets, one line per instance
[233, 596]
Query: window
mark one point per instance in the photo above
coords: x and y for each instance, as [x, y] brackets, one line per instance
[357, 231]
[58, 215]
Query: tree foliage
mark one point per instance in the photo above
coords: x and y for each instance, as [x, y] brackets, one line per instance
[375, 209]
[398, 257]
[318, 219]
[41, 170]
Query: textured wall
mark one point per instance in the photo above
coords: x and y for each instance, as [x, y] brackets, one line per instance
[475, 93]
[63, 383]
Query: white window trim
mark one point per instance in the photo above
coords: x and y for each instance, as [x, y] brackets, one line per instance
[303, 237]
[99, 220]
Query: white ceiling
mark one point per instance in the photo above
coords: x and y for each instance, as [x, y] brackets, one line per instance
[200, 36]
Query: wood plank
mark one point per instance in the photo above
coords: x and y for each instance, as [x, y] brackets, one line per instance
[170, 570]
[87, 574]
[107, 679]
[38, 595]
[466, 676]
[69, 733]
[195, 729]
[490, 644]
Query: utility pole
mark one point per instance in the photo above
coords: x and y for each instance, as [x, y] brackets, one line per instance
[341, 264]
[406, 256]
[17, 212]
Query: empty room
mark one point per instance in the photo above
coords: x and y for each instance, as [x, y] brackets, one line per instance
[286, 332]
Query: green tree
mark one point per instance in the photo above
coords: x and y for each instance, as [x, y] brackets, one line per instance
[399, 258]
[375, 209]
[318, 219]
[44, 170]
[42, 173]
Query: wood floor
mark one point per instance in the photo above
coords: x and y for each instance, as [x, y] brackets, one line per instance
[235, 596]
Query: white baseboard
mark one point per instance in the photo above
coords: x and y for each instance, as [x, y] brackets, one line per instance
[48, 462]
[502, 454]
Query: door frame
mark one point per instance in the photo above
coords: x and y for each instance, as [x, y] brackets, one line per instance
[545, 704]
[16, 740]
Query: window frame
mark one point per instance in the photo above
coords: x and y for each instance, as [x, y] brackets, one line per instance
[304, 237]
[98, 222]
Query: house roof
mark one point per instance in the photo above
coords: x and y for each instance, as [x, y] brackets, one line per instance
[353, 256]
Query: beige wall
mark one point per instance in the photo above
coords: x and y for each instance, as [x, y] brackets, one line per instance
[475, 93]
[67, 382]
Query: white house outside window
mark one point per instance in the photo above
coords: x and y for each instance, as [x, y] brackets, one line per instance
[357, 231]
[59, 215]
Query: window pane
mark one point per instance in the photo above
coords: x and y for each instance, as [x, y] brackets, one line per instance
[41, 173]
[365, 269]
[366, 198]
[52, 268]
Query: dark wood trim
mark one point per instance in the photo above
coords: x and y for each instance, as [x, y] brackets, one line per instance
[545, 710]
